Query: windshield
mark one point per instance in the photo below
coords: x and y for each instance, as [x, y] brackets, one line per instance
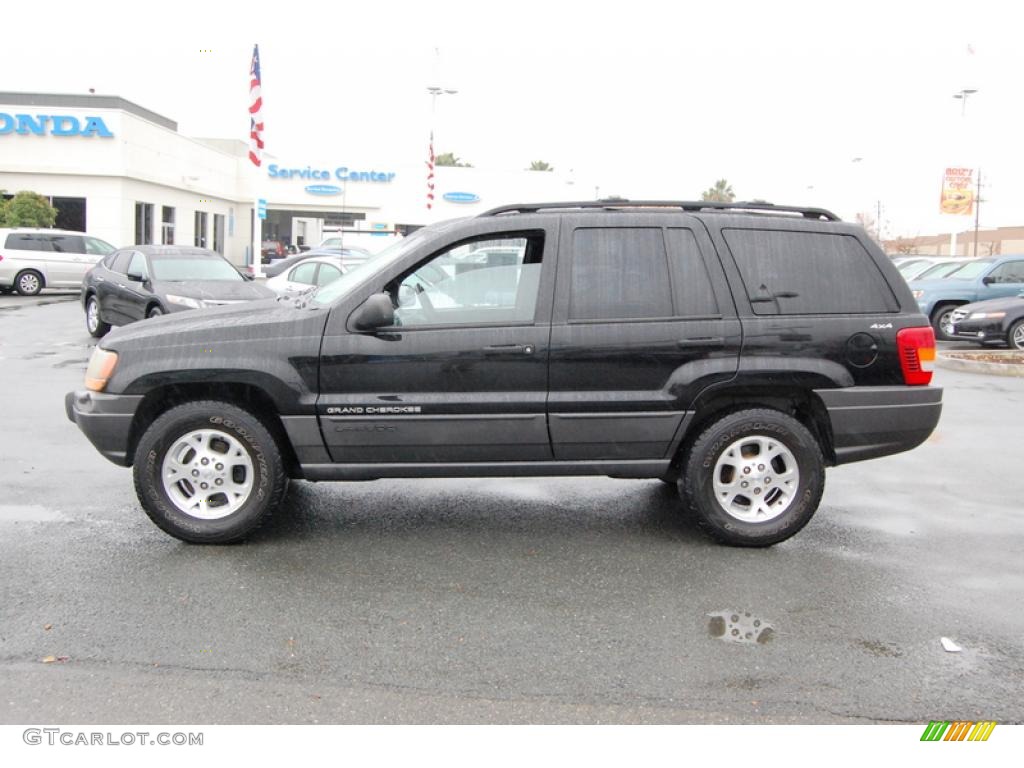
[971, 270]
[179, 268]
[360, 272]
[940, 270]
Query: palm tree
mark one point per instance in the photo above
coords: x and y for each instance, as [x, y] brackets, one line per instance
[720, 193]
[449, 159]
[540, 165]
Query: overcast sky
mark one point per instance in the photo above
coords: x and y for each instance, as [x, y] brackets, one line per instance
[641, 99]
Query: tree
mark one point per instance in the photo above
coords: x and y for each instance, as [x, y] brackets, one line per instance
[449, 160]
[720, 193]
[867, 221]
[540, 165]
[27, 209]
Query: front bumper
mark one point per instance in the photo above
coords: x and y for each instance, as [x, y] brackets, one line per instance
[868, 422]
[979, 331]
[106, 420]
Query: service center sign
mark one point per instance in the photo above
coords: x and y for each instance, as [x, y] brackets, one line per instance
[957, 192]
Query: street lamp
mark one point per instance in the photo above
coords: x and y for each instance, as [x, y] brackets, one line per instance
[962, 94]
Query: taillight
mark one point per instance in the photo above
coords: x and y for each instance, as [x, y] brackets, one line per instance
[916, 348]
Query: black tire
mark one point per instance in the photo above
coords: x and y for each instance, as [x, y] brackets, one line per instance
[1015, 337]
[940, 315]
[702, 460]
[154, 312]
[29, 282]
[232, 427]
[93, 322]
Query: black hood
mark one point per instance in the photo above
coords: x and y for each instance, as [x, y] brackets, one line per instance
[995, 305]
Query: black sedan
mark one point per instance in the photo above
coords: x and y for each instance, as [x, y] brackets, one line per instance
[149, 280]
[998, 320]
[349, 256]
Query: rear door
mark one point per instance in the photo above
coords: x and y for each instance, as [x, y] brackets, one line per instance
[67, 261]
[462, 375]
[643, 322]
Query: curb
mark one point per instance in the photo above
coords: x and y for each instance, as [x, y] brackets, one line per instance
[957, 361]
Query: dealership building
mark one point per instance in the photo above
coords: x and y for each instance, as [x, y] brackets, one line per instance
[125, 174]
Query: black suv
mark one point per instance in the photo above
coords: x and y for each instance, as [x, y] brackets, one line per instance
[734, 350]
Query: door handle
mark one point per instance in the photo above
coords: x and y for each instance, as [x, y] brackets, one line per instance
[712, 342]
[101, 279]
[509, 349]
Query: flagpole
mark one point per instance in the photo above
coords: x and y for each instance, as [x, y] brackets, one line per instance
[255, 157]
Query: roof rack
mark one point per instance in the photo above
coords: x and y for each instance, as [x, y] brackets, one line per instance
[690, 206]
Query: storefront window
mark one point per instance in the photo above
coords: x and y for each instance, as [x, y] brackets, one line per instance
[201, 229]
[218, 233]
[143, 223]
[70, 213]
[167, 226]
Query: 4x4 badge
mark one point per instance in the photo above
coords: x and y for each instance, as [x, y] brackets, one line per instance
[880, 326]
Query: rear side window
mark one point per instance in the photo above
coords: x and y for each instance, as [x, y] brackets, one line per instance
[808, 273]
[23, 242]
[691, 288]
[67, 243]
[619, 274]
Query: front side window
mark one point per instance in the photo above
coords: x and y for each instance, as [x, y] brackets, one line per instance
[97, 247]
[304, 273]
[137, 266]
[619, 274]
[475, 283]
[327, 274]
[1010, 272]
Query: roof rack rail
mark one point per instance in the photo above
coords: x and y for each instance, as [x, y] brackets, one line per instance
[613, 204]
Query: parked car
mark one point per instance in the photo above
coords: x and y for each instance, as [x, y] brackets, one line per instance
[732, 350]
[993, 320]
[349, 256]
[33, 259]
[942, 269]
[308, 273]
[987, 278]
[152, 280]
[915, 270]
[272, 249]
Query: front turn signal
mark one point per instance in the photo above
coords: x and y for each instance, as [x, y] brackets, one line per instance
[101, 368]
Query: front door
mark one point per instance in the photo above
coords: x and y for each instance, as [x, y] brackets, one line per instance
[462, 375]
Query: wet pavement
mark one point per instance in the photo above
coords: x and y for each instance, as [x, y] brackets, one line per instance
[548, 600]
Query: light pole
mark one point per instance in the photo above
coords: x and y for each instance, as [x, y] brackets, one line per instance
[963, 94]
[434, 91]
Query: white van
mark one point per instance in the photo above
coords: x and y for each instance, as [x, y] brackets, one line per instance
[33, 259]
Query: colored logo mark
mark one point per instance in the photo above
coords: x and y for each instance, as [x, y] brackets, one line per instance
[323, 189]
[461, 197]
[958, 730]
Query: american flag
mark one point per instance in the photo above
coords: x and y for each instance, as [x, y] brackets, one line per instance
[255, 108]
[430, 173]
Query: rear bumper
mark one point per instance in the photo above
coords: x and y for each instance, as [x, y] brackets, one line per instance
[868, 422]
[106, 420]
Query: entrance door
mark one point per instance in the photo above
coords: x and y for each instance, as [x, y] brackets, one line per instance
[462, 375]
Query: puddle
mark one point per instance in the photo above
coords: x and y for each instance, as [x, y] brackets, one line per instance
[739, 627]
[30, 513]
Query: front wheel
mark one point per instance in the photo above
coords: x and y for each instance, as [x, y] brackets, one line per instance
[208, 472]
[1015, 337]
[154, 312]
[93, 323]
[942, 321]
[754, 477]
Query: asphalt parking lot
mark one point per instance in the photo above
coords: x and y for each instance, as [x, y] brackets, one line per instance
[533, 600]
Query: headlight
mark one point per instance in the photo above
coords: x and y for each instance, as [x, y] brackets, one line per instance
[987, 315]
[185, 301]
[918, 294]
[101, 368]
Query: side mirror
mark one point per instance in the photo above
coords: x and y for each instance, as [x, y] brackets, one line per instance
[988, 280]
[376, 312]
[136, 277]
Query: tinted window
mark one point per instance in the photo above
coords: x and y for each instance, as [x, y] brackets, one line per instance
[619, 274]
[691, 285]
[28, 243]
[67, 243]
[1010, 272]
[472, 285]
[121, 261]
[808, 273]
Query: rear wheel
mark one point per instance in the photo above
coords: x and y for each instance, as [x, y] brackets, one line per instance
[1016, 335]
[754, 477]
[28, 283]
[208, 472]
[93, 323]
